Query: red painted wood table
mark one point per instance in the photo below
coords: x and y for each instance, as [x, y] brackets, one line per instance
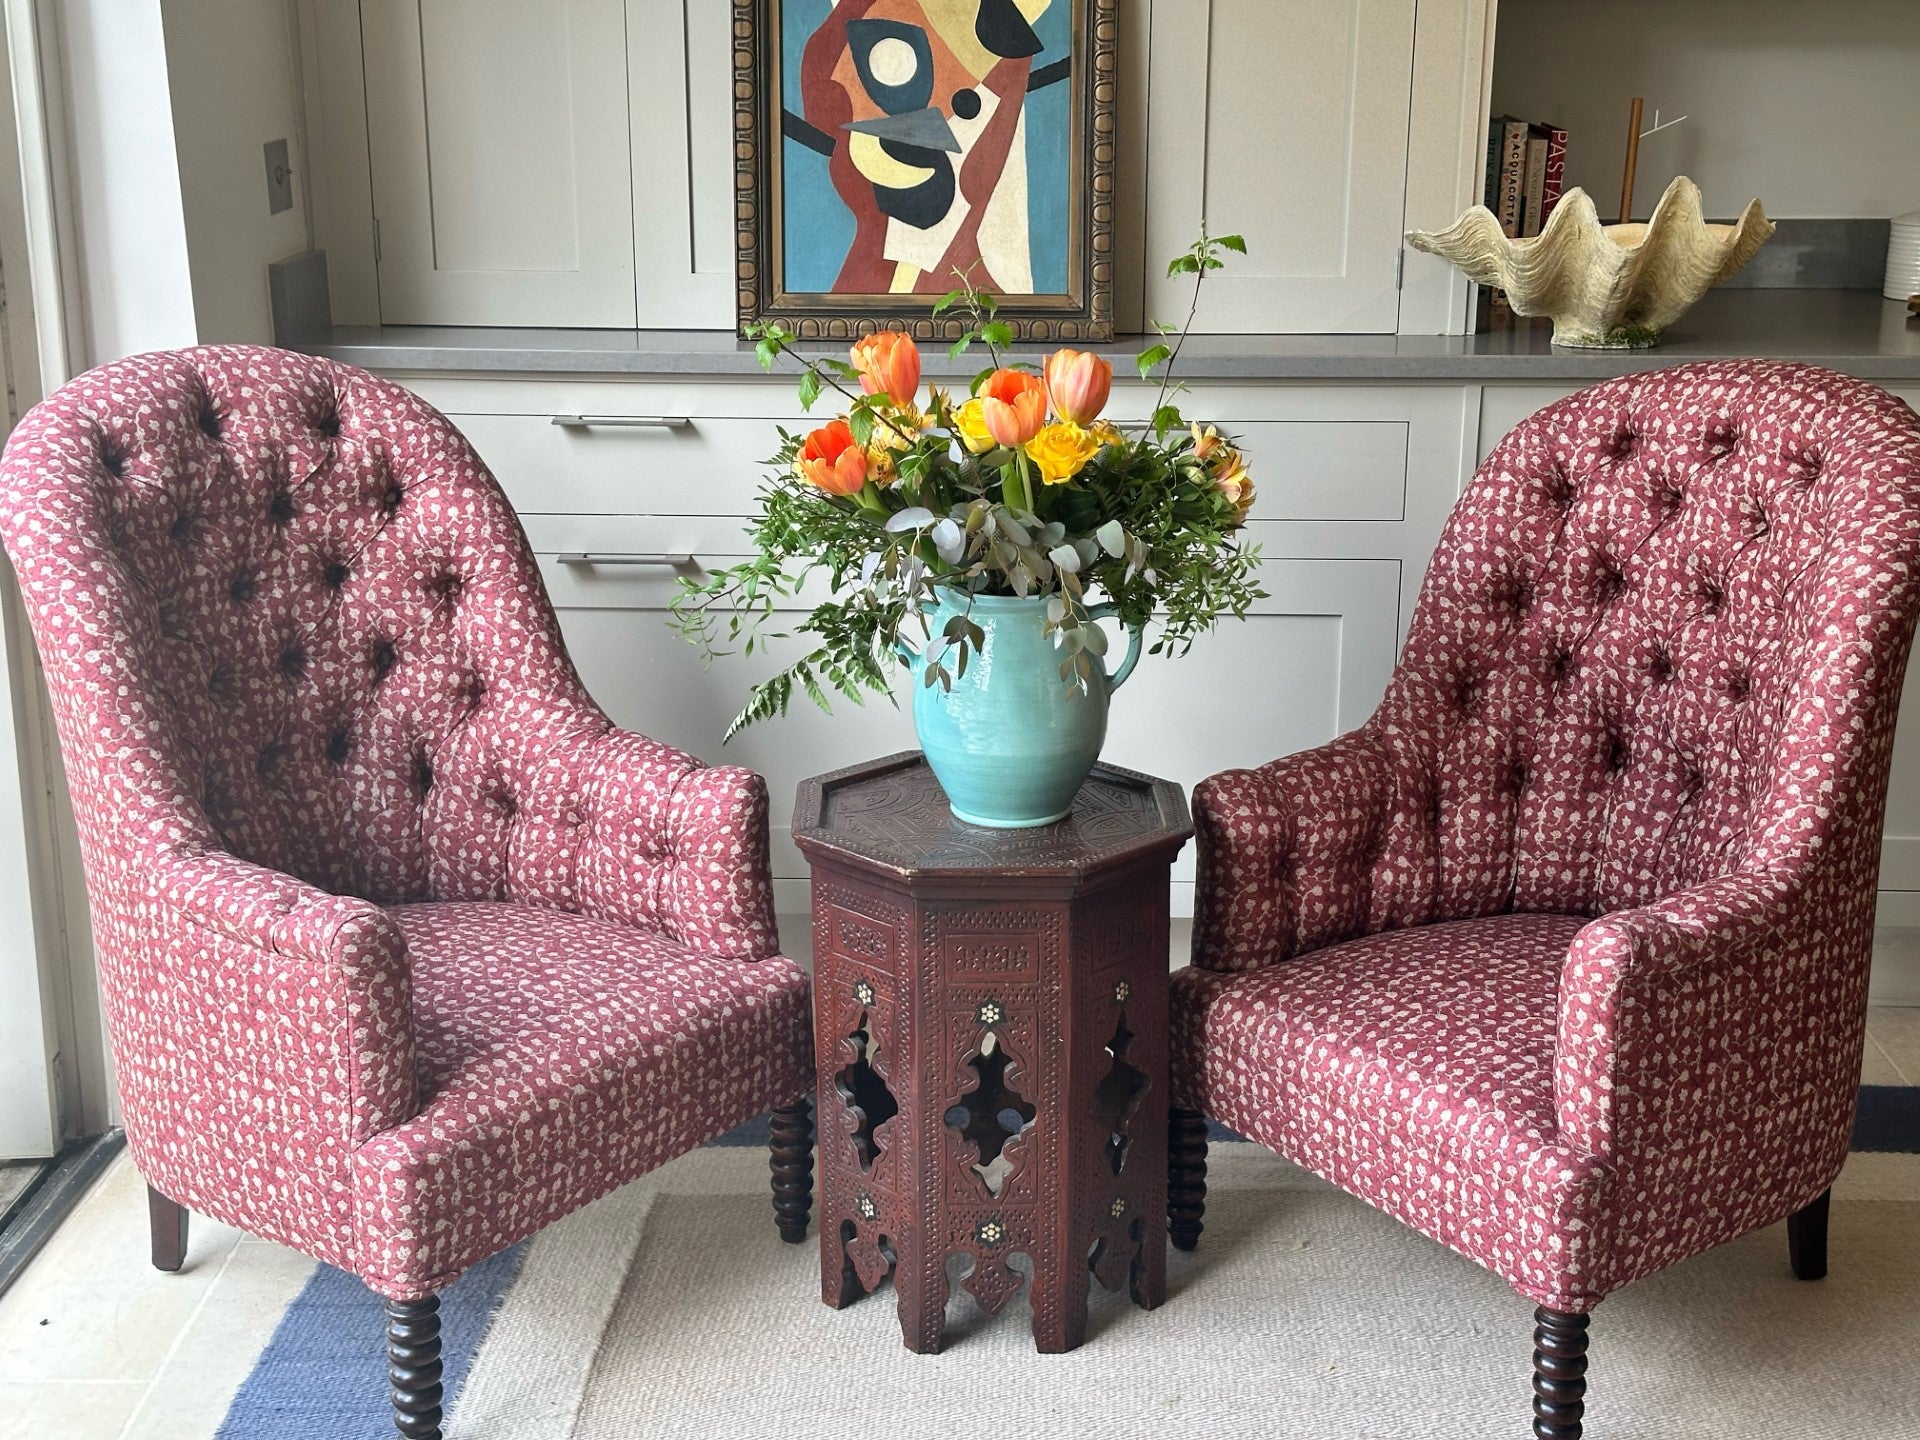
[990, 1024]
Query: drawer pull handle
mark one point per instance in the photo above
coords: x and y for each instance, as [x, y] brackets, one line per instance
[596, 558]
[623, 422]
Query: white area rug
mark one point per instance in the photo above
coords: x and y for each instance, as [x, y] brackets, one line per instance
[672, 1309]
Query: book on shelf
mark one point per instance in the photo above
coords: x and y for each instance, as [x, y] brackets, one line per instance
[1533, 187]
[1513, 171]
[1556, 176]
[1526, 176]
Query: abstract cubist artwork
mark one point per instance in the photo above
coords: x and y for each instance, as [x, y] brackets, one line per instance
[900, 144]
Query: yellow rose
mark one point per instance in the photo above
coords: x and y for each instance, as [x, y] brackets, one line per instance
[971, 422]
[1061, 451]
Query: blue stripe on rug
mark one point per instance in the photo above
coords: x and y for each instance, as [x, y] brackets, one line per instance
[323, 1375]
[1888, 1119]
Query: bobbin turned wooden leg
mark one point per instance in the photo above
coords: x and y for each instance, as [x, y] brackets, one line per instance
[1559, 1374]
[413, 1366]
[791, 1159]
[1186, 1177]
[1807, 1239]
[167, 1223]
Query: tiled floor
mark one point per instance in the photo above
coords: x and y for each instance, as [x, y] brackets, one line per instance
[96, 1343]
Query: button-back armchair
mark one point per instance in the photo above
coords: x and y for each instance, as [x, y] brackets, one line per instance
[1561, 958]
[406, 950]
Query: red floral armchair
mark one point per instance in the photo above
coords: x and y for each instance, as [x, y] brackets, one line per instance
[1561, 958]
[406, 950]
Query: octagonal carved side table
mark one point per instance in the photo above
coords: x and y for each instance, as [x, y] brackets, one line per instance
[990, 1026]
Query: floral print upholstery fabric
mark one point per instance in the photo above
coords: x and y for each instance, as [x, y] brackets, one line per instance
[1651, 686]
[306, 678]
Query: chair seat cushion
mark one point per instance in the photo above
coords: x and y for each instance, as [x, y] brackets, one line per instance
[560, 1057]
[1414, 1068]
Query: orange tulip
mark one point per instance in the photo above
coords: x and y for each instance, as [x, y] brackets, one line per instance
[889, 364]
[832, 461]
[1079, 384]
[1013, 404]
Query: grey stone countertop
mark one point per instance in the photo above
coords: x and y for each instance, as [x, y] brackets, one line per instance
[1855, 331]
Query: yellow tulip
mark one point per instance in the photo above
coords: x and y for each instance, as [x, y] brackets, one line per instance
[1061, 451]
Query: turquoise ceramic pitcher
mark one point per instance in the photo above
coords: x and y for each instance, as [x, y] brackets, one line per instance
[1012, 742]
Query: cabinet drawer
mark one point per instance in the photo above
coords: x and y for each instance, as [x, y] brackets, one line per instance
[707, 465]
[627, 463]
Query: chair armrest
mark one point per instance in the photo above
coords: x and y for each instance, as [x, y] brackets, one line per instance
[679, 846]
[336, 961]
[1286, 853]
[1672, 1005]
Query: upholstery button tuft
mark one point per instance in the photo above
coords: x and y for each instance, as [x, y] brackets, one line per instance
[335, 575]
[1617, 756]
[381, 655]
[220, 684]
[267, 766]
[242, 588]
[209, 420]
[184, 527]
[390, 499]
[423, 773]
[1560, 664]
[1517, 781]
[1739, 685]
[446, 585]
[1660, 665]
[293, 662]
[1712, 595]
[339, 745]
[280, 507]
[327, 422]
[112, 459]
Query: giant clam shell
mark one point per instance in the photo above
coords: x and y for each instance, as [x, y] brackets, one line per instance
[1604, 286]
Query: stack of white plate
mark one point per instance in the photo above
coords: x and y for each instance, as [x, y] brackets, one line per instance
[1903, 258]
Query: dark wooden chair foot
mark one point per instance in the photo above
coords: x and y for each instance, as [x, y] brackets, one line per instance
[1186, 1177]
[791, 1159]
[167, 1223]
[1807, 1239]
[1559, 1374]
[413, 1366]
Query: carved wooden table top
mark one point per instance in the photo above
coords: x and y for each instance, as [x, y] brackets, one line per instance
[891, 815]
[990, 1035]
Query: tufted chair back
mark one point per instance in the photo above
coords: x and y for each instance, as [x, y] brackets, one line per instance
[287, 613]
[1661, 639]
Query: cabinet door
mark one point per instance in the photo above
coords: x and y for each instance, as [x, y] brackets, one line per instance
[1286, 124]
[680, 75]
[498, 136]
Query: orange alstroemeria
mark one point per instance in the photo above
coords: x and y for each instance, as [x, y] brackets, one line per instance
[1013, 405]
[831, 460]
[1079, 385]
[889, 365]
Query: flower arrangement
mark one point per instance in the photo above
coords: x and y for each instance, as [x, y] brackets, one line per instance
[1020, 488]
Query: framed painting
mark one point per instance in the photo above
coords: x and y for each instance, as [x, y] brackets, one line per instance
[888, 147]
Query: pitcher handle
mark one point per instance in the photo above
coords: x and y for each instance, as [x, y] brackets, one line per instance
[1105, 611]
